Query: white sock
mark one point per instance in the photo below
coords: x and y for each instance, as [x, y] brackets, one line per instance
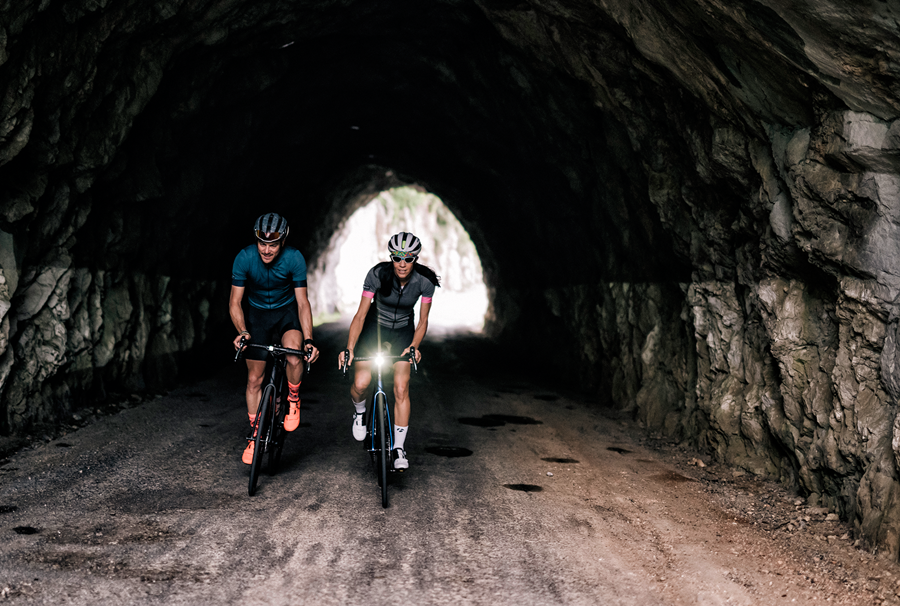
[360, 406]
[400, 435]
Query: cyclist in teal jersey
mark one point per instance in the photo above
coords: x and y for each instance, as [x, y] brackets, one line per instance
[395, 287]
[273, 276]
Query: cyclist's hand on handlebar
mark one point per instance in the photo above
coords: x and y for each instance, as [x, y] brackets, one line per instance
[342, 362]
[239, 344]
[312, 353]
[418, 355]
[238, 340]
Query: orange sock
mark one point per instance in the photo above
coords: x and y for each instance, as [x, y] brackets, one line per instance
[294, 391]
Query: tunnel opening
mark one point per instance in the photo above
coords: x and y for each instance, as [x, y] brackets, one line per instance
[360, 242]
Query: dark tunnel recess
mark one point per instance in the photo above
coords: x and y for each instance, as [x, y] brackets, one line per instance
[297, 126]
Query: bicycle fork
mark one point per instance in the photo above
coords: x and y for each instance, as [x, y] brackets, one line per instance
[373, 425]
[275, 399]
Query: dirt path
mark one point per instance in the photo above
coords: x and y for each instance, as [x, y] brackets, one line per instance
[517, 494]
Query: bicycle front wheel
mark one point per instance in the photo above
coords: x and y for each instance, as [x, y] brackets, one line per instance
[384, 454]
[278, 433]
[261, 439]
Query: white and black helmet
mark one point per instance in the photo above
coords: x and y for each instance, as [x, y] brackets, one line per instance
[271, 227]
[404, 245]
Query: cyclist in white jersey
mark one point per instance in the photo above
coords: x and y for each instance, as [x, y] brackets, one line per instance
[395, 287]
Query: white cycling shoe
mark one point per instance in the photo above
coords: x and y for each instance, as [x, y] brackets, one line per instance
[359, 426]
[400, 461]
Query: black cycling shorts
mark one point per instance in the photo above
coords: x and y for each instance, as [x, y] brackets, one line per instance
[267, 326]
[399, 339]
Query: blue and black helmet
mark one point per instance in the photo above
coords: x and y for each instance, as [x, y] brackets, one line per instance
[271, 227]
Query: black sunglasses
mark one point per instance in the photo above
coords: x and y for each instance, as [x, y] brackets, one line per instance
[400, 259]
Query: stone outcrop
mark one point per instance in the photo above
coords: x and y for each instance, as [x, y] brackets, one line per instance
[77, 330]
[699, 202]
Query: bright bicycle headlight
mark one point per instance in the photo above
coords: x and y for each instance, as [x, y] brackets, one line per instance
[379, 360]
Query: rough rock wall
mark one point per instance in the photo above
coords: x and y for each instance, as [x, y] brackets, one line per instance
[786, 204]
[783, 361]
[75, 330]
[74, 79]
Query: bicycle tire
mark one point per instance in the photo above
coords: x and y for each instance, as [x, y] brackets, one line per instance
[372, 436]
[278, 434]
[383, 452]
[370, 439]
[261, 437]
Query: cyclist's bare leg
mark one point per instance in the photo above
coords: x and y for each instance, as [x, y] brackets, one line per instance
[401, 393]
[362, 376]
[294, 371]
[255, 371]
[293, 339]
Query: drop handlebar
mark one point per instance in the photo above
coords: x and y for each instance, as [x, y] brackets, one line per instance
[411, 356]
[276, 350]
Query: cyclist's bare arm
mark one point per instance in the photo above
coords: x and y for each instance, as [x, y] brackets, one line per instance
[421, 329]
[356, 326]
[237, 314]
[305, 312]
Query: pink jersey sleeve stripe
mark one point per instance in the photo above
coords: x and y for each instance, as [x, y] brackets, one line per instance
[426, 299]
[368, 295]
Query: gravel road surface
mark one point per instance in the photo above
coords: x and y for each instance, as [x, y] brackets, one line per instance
[519, 492]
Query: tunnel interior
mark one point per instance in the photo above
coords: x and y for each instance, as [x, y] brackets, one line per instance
[695, 205]
[282, 119]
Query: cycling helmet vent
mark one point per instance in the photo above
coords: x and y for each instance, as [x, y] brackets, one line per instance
[404, 244]
[271, 227]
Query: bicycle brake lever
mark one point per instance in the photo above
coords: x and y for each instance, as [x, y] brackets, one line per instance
[240, 350]
[346, 366]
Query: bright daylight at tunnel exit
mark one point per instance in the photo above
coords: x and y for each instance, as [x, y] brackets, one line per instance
[645, 339]
[361, 242]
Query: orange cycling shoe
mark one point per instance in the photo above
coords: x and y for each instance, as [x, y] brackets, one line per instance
[248, 453]
[292, 418]
[247, 457]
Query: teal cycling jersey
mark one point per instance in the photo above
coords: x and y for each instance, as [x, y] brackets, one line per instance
[272, 286]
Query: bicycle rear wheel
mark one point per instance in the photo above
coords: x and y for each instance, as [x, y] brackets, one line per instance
[383, 445]
[262, 430]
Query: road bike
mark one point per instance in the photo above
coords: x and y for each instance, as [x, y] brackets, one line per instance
[379, 440]
[269, 423]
